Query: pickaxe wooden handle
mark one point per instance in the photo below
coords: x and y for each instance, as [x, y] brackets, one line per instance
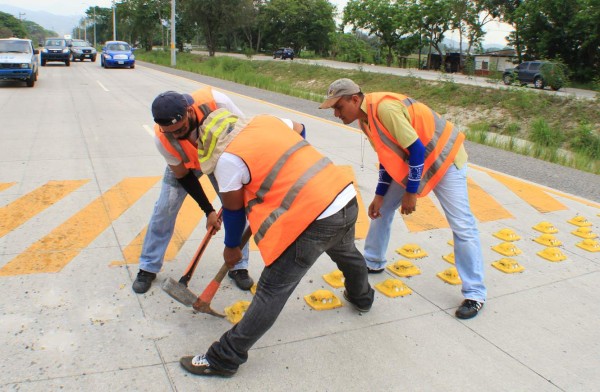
[202, 304]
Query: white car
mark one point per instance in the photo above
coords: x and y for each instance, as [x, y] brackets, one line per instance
[18, 60]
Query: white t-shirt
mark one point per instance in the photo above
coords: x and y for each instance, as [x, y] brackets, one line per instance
[223, 102]
[232, 173]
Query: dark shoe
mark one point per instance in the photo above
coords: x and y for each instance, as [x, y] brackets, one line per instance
[143, 281]
[468, 309]
[199, 366]
[241, 278]
[375, 271]
[362, 309]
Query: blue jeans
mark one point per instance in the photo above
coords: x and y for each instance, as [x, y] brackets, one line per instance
[452, 194]
[162, 224]
[333, 235]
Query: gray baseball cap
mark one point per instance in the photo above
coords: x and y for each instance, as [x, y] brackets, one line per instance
[338, 89]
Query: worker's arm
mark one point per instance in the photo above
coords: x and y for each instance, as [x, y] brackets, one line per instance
[192, 186]
[234, 219]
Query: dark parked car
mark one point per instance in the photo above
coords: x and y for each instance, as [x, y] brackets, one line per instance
[284, 53]
[18, 60]
[56, 49]
[81, 50]
[540, 73]
[117, 54]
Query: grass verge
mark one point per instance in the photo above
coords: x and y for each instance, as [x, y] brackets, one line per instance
[562, 130]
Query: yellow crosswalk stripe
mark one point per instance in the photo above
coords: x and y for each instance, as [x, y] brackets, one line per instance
[485, 207]
[26, 207]
[362, 221]
[188, 218]
[6, 185]
[426, 217]
[531, 194]
[65, 242]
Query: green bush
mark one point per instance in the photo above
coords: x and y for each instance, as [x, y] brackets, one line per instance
[543, 135]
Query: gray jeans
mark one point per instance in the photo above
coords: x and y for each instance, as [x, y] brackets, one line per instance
[333, 235]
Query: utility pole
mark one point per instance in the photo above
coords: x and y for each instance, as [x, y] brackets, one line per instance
[114, 20]
[94, 26]
[173, 55]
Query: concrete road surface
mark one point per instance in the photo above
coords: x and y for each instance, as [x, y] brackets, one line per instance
[79, 176]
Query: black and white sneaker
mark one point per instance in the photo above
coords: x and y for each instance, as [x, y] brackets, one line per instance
[200, 366]
[362, 309]
[468, 309]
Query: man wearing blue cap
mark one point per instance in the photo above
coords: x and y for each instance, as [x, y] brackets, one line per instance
[178, 118]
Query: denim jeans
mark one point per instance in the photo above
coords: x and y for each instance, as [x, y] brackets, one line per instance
[452, 194]
[333, 235]
[162, 224]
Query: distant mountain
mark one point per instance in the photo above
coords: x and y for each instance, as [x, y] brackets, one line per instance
[455, 45]
[59, 23]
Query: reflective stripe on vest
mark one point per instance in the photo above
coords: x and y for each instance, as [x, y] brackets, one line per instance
[290, 184]
[204, 103]
[290, 196]
[224, 122]
[436, 160]
[268, 182]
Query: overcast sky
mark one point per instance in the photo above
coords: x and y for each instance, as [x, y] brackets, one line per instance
[495, 31]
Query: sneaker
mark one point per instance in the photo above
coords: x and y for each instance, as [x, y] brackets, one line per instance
[375, 270]
[468, 309]
[143, 281]
[241, 278]
[362, 309]
[199, 366]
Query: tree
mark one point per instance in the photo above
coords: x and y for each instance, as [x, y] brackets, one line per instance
[298, 24]
[11, 26]
[560, 29]
[381, 18]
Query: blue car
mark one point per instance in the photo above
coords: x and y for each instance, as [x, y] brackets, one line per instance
[117, 54]
[18, 60]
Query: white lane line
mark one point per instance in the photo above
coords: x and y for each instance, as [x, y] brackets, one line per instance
[148, 129]
[101, 85]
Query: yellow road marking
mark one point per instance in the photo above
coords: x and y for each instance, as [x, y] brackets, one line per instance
[362, 221]
[188, 218]
[6, 185]
[31, 204]
[426, 217]
[534, 195]
[57, 249]
[484, 207]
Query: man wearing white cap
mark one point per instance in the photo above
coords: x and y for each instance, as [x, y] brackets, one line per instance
[418, 152]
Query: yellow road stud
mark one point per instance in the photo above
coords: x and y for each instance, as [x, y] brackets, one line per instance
[335, 279]
[589, 245]
[509, 266]
[322, 300]
[450, 276]
[412, 251]
[548, 240]
[552, 254]
[507, 235]
[546, 228]
[449, 258]
[451, 242]
[235, 312]
[580, 221]
[393, 288]
[404, 268]
[584, 232]
[253, 288]
[507, 249]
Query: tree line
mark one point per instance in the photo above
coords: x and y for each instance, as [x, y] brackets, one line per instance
[375, 31]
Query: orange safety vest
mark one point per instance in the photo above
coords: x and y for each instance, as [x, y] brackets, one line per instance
[291, 183]
[441, 140]
[187, 151]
